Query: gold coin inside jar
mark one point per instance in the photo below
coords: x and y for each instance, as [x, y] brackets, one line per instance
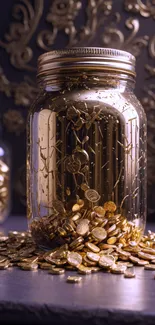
[100, 211]
[92, 195]
[76, 207]
[80, 203]
[110, 206]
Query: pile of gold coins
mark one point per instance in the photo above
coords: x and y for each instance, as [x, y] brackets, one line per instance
[85, 222]
[93, 240]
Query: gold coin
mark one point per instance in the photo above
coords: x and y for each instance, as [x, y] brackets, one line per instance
[112, 228]
[74, 259]
[56, 271]
[29, 267]
[143, 262]
[88, 262]
[123, 258]
[76, 216]
[122, 252]
[115, 232]
[92, 247]
[129, 275]
[92, 195]
[100, 211]
[132, 249]
[99, 233]
[104, 222]
[3, 259]
[74, 279]
[84, 269]
[93, 256]
[118, 269]
[145, 256]
[30, 260]
[149, 251]
[106, 261]
[134, 259]
[84, 187]
[127, 264]
[106, 251]
[68, 192]
[72, 165]
[150, 267]
[70, 268]
[111, 240]
[110, 206]
[142, 245]
[79, 248]
[76, 207]
[132, 243]
[80, 203]
[83, 227]
[62, 232]
[75, 243]
[106, 246]
[57, 261]
[46, 266]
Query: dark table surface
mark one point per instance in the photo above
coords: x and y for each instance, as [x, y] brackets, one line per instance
[40, 298]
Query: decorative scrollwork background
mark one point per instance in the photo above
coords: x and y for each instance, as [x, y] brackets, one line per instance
[35, 26]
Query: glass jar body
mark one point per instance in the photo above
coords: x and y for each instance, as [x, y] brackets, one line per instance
[86, 147]
[5, 190]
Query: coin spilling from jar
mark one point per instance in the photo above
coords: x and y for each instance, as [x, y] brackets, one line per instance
[90, 240]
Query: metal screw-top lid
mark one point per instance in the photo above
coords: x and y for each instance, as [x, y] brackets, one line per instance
[84, 58]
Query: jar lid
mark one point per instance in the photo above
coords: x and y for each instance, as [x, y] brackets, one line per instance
[86, 58]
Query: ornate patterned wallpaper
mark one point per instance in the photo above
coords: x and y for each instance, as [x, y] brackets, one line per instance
[32, 27]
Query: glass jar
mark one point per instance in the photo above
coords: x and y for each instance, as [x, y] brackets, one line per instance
[5, 197]
[86, 157]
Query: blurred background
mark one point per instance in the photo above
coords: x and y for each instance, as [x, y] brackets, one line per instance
[29, 28]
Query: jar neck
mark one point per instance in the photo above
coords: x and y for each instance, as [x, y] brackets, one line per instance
[85, 80]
